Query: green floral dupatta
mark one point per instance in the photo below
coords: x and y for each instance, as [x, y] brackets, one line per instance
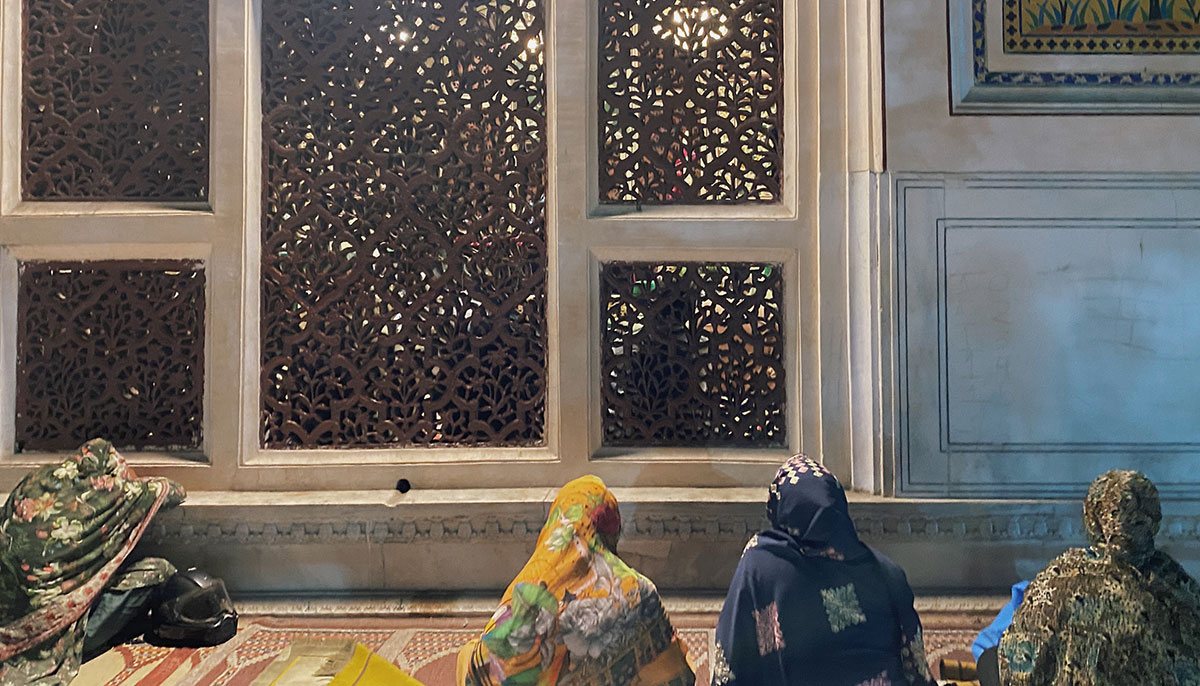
[65, 531]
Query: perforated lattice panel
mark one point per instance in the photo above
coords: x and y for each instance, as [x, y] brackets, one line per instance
[692, 354]
[403, 253]
[115, 100]
[111, 349]
[690, 97]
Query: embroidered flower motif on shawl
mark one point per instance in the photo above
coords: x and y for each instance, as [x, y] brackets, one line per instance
[1021, 655]
[28, 509]
[770, 634]
[912, 654]
[66, 530]
[589, 626]
[721, 673]
[880, 680]
[842, 607]
[750, 544]
[793, 470]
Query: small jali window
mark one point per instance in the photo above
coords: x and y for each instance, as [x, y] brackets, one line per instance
[692, 354]
[115, 102]
[690, 101]
[110, 349]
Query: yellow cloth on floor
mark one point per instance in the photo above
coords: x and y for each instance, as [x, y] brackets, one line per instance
[332, 663]
[368, 669]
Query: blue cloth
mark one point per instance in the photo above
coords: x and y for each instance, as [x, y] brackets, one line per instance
[811, 604]
[990, 636]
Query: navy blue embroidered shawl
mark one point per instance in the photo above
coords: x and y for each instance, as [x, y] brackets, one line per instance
[811, 604]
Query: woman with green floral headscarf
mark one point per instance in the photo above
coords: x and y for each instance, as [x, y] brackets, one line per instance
[66, 531]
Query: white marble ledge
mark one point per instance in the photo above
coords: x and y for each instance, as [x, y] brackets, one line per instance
[631, 495]
[687, 540]
[380, 498]
[433, 516]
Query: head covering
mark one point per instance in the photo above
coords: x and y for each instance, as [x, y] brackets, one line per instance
[1121, 515]
[812, 604]
[577, 614]
[64, 532]
[1118, 613]
[808, 507]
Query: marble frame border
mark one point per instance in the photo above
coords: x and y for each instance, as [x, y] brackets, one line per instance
[977, 89]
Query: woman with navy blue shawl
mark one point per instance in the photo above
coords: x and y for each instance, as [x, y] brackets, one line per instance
[812, 604]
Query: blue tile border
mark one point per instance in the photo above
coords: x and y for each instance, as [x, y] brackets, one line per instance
[1058, 78]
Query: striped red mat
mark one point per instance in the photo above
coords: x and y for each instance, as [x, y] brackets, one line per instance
[422, 646]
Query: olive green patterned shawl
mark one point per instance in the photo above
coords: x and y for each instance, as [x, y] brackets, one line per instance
[65, 531]
[1118, 613]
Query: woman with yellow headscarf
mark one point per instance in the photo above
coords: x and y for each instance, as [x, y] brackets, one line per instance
[576, 615]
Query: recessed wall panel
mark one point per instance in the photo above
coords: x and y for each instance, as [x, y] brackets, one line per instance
[1071, 336]
[1047, 333]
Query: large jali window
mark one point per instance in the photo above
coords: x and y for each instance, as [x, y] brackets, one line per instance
[404, 223]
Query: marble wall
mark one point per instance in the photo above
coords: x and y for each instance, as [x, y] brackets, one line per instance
[1045, 271]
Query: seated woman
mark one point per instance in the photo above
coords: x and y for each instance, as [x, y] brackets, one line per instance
[65, 533]
[576, 614]
[811, 604]
[1116, 613]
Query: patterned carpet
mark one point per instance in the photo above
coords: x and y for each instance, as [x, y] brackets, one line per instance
[423, 646]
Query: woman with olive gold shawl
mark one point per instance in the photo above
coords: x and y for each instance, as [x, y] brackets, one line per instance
[1117, 613]
[576, 615]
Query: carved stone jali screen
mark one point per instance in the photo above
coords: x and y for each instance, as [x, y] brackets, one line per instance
[403, 229]
[692, 354]
[111, 349]
[690, 98]
[115, 102]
